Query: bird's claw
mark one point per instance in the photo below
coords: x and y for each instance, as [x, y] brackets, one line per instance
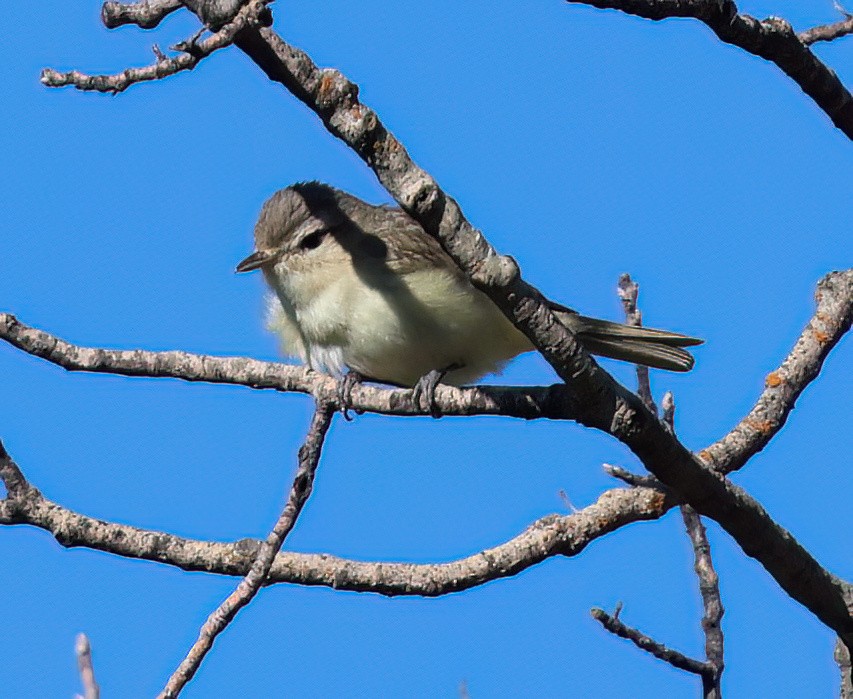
[423, 392]
[345, 385]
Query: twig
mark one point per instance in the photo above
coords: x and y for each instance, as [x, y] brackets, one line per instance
[303, 482]
[772, 39]
[249, 16]
[629, 292]
[87, 671]
[632, 479]
[147, 14]
[660, 651]
[709, 588]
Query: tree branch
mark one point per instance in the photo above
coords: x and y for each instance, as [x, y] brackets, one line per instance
[782, 387]
[629, 292]
[772, 39]
[147, 14]
[193, 52]
[709, 588]
[550, 536]
[828, 32]
[553, 402]
[648, 644]
[303, 483]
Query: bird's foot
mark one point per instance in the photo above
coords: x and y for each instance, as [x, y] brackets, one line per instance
[423, 392]
[345, 385]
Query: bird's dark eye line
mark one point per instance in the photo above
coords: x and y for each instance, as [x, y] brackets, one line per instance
[309, 242]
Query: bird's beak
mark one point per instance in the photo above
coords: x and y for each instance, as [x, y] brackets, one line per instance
[257, 259]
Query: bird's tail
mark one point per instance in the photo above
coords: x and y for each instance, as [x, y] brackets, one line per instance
[653, 348]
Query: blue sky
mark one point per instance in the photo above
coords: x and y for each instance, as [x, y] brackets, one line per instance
[584, 143]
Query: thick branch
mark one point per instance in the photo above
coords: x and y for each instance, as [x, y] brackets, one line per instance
[782, 387]
[193, 52]
[772, 39]
[147, 14]
[550, 536]
[648, 644]
[303, 484]
[552, 402]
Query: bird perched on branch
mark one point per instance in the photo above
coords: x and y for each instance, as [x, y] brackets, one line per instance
[364, 288]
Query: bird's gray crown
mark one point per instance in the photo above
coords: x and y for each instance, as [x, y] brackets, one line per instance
[284, 215]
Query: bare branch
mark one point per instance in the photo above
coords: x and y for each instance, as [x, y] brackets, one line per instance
[303, 483]
[550, 536]
[147, 14]
[660, 651]
[828, 32]
[629, 292]
[554, 402]
[772, 39]
[194, 51]
[87, 671]
[709, 588]
[782, 387]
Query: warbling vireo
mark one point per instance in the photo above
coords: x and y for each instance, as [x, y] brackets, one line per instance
[365, 288]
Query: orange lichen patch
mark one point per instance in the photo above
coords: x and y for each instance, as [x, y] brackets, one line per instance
[762, 426]
[705, 456]
[820, 335]
[773, 380]
[326, 83]
[658, 500]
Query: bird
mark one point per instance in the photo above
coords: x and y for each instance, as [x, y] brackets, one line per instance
[363, 289]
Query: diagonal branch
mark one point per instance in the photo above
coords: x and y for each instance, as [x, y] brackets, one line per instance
[193, 52]
[772, 39]
[303, 483]
[612, 623]
[550, 536]
[782, 387]
[146, 15]
[828, 32]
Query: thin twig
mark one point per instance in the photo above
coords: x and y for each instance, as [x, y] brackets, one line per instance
[673, 657]
[249, 16]
[709, 588]
[629, 292]
[303, 482]
[633, 479]
[83, 649]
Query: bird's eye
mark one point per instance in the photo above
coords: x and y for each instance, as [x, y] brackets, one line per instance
[309, 242]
